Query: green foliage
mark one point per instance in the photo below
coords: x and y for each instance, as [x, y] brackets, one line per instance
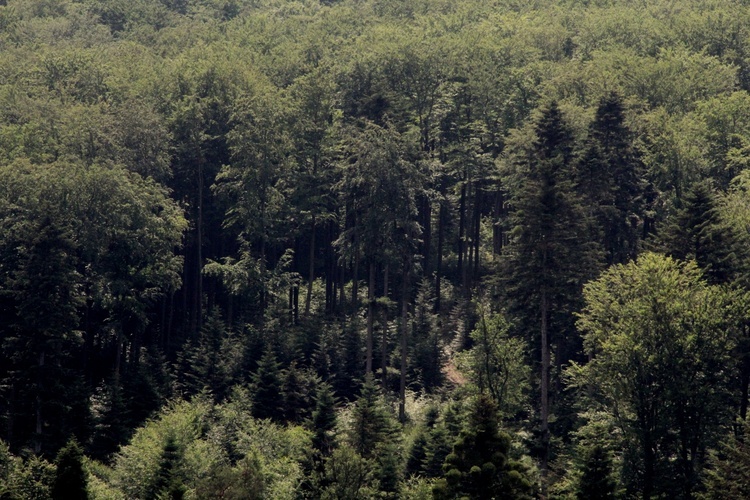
[727, 474]
[479, 466]
[372, 422]
[268, 398]
[657, 335]
[497, 362]
[70, 476]
[596, 481]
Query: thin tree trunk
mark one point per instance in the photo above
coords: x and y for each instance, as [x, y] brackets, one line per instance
[439, 270]
[427, 235]
[198, 296]
[311, 269]
[384, 327]
[404, 333]
[38, 405]
[370, 319]
[461, 224]
[477, 231]
[544, 310]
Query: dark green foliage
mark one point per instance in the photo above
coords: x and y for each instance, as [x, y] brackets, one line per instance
[609, 176]
[70, 478]
[698, 232]
[728, 473]
[479, 466]
[168, 484]
[295, 391]
[596, 481]
[324, 420]
[268, 398]
[372, 422]
[213, 362]
[426, 349]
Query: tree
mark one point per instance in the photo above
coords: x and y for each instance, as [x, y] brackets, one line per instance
[268, 396]
[167, 484]
[372, 422]
[324, 420]
[660, 343]
[699, 232]
[596, 481]
[70, 478]
[610, 178]
[479, 466]
[728, 472]
[379, 186]
[548, 258]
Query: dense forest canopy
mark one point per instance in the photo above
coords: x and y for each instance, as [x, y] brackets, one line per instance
[374, 249]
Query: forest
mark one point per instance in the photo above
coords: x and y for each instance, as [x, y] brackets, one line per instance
[360, 249]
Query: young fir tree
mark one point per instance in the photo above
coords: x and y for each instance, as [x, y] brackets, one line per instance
[596, 482]
[728, 474]
[268, 397]
[549, 256]
[70, 478]
[167, 485]
[324, 420]
[479, 466]
[372, 423]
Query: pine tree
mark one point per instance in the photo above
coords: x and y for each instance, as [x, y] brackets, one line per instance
[372, 421]
[324, 420]
[268, 398]
[70, 478]
[609, 176]
[549, 256]
[167, 485]
[698, 232]
[596, 482]
[479, 467]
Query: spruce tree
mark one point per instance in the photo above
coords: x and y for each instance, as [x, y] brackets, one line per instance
[596, 482]
[373, 423]
[549, 256]
[324, 420]
[70, 478]
[479, 466]
[697, 232]
[167, 484]
[609, 176]
[268, 398]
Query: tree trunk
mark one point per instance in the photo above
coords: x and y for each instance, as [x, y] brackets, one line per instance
[38, 405]
[384, 327]
[311, 269]
[370, 319]
[426, 235]
[461, 224]
[439, 269]
[404, 333]
[544, 413]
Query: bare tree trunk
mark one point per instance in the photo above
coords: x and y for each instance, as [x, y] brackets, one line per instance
[404, 333]
[370, 314]
[311, 269]
[439, 269]
[384, 327]
[544, 413]
[38, 405]
[461, 235]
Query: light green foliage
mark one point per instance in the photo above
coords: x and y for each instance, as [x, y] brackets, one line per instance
[496, 362]
[24, 479]
[215, 447]
[660, 341]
